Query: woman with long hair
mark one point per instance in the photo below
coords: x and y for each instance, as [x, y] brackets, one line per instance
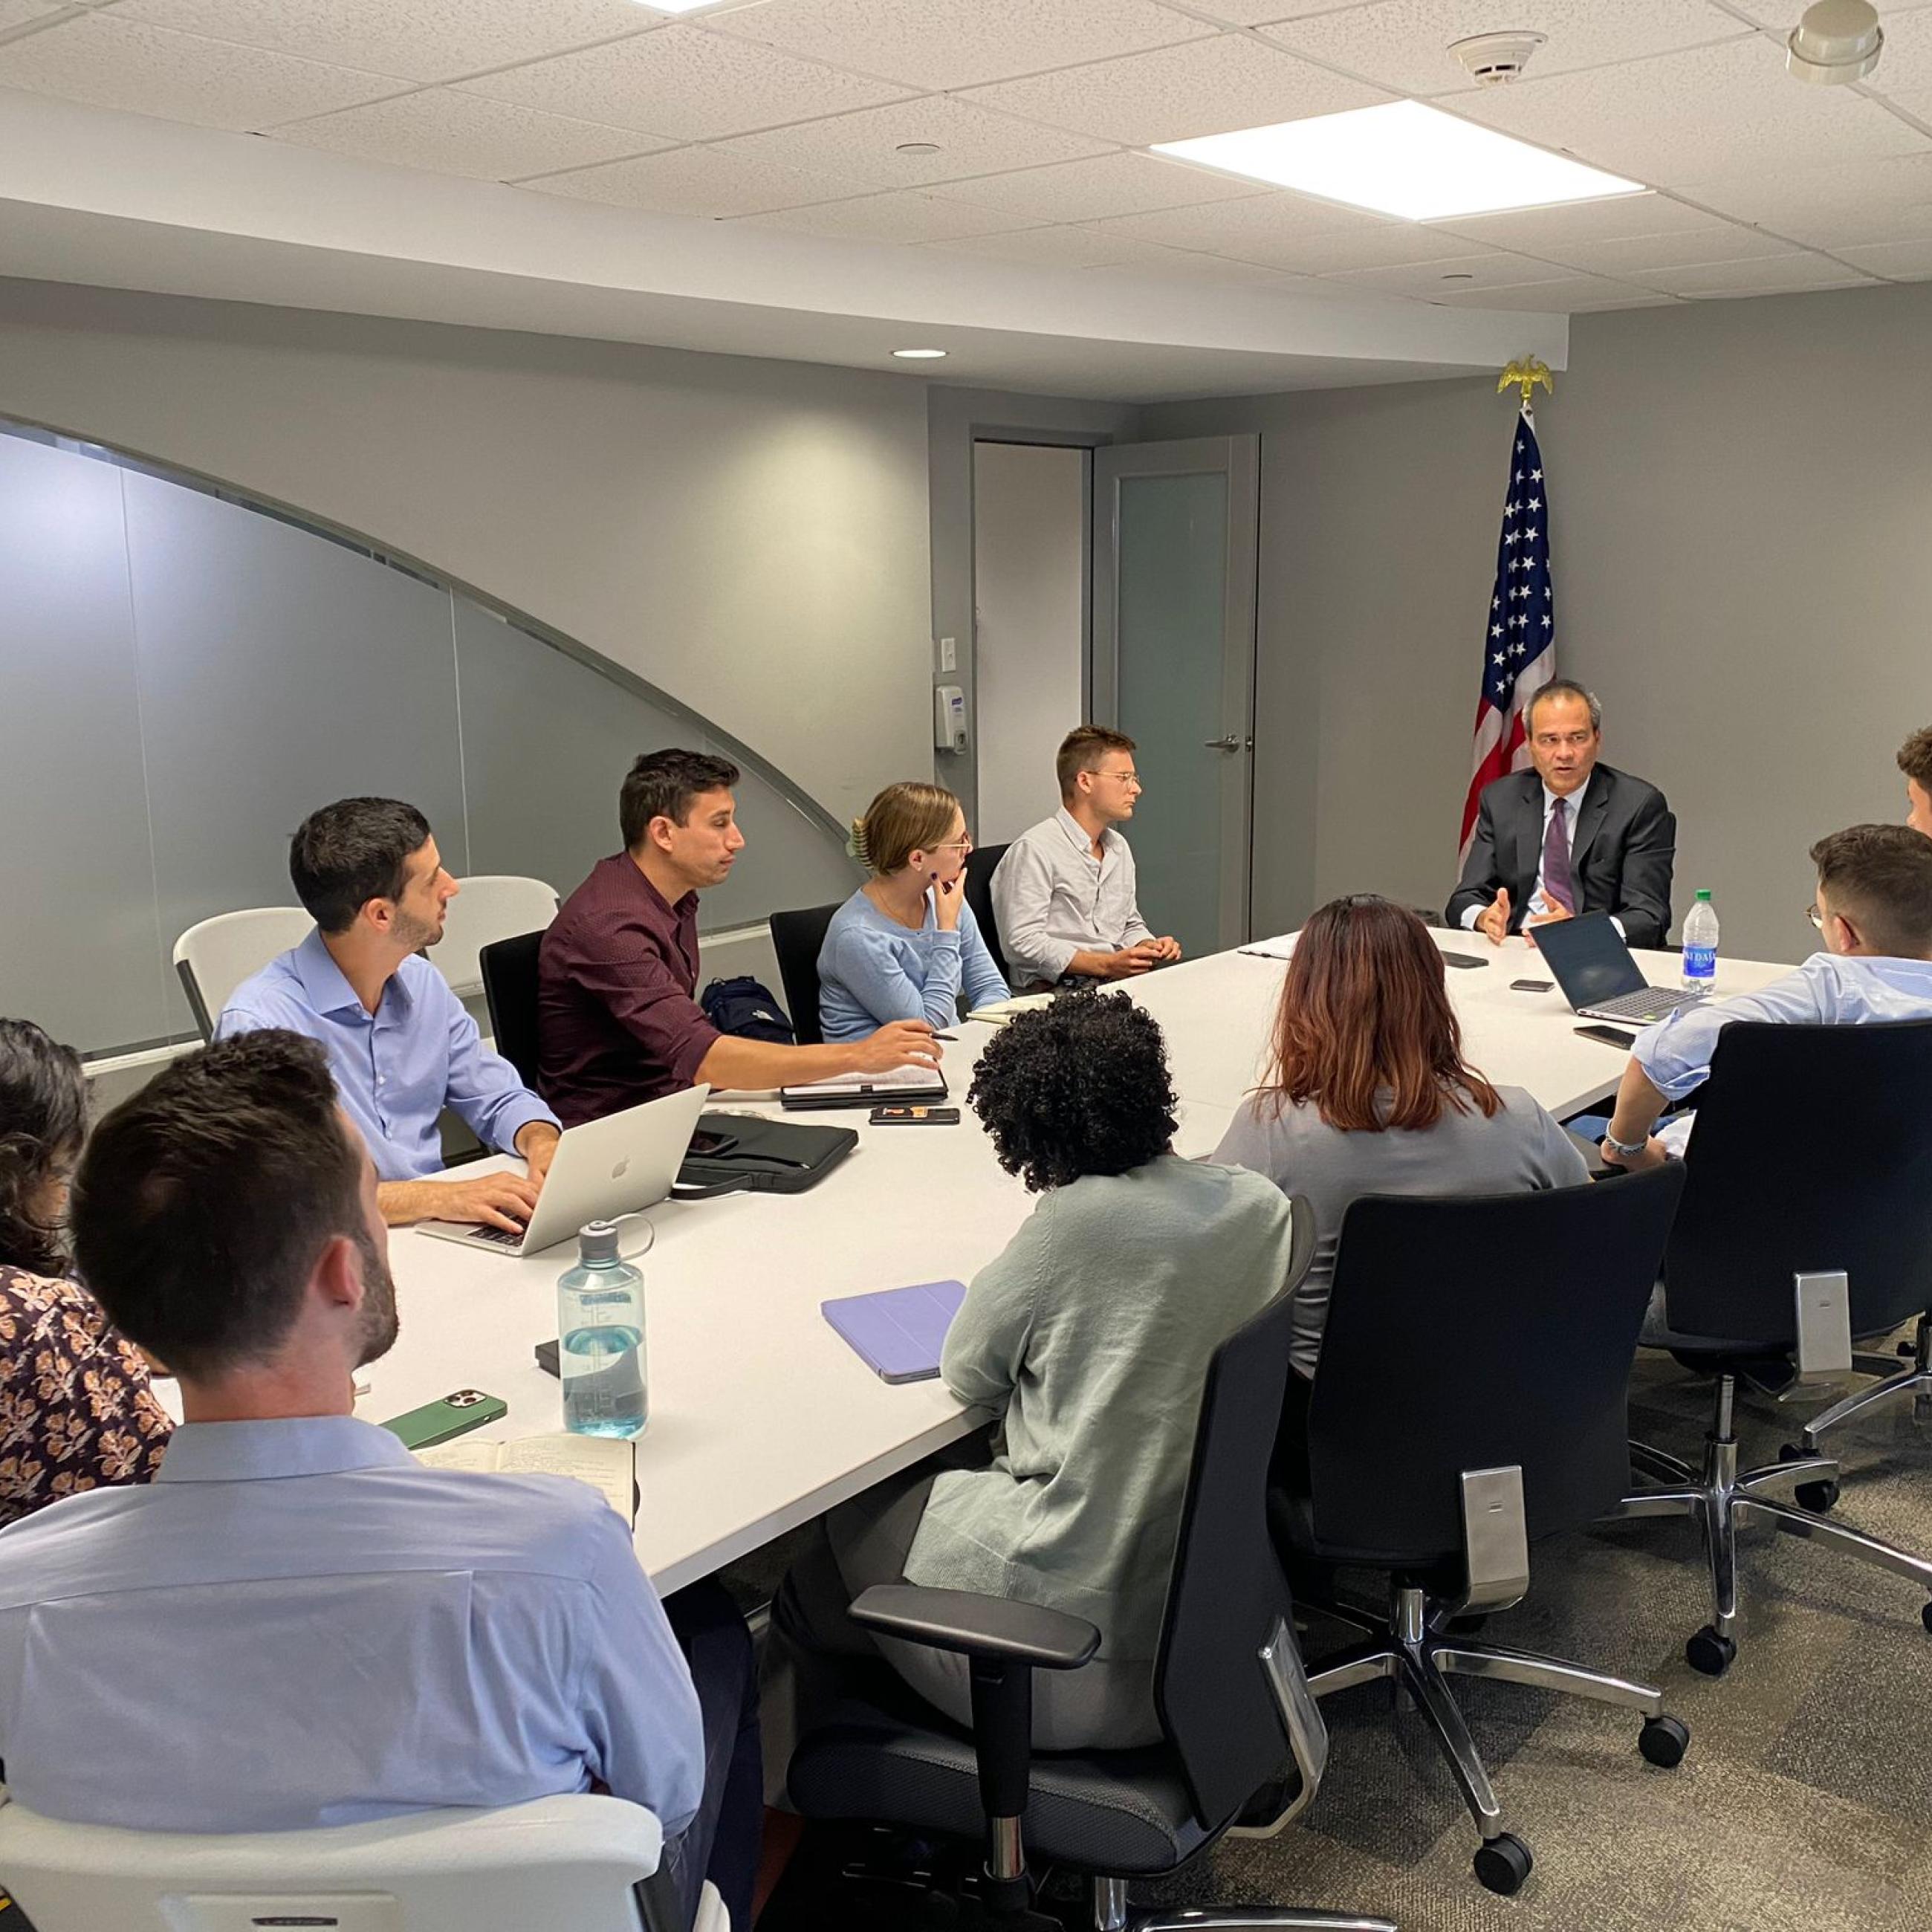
[905, 945]
[1367, 1092]
[76, 1409]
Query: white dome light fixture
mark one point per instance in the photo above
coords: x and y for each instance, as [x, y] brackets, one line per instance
[919, 355]
[1835, 43]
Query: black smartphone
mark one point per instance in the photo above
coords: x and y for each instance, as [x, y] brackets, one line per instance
[1465, 960]
[915, 1116]
[1609, 1036]
[1530, 985]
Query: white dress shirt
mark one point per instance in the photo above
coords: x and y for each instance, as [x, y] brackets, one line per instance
[297, 1625]
[1052, 899]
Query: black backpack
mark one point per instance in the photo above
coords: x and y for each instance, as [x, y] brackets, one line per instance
[745, 1006]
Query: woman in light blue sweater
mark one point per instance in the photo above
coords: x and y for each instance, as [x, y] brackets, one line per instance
[905, 945]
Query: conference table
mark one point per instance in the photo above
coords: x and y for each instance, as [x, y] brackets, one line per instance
[761, 1417]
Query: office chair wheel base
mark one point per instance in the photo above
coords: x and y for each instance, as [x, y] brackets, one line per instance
[1663, 1741]
[1502, 1864]
[1709, 1654]
[1819, 1497]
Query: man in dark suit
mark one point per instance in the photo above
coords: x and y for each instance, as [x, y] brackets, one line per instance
[1570, 836]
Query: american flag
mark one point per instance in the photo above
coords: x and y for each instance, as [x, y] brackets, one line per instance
[1519, 640]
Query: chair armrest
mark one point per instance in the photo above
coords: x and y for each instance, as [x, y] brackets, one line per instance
[995, 1628]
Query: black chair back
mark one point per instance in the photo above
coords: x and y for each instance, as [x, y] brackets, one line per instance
[981, 864]
[1227, 1592]
[1813, 1151]
[1478, 1333]
[798, 938]
[510, 989]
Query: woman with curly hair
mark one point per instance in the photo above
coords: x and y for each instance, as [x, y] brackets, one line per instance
[1089, 1338]
[76, 1409]
[1367, 1091]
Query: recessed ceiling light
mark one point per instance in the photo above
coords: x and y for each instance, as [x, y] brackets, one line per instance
[917, 147]
[1460, 276]
[1403, 159]
[919, 355]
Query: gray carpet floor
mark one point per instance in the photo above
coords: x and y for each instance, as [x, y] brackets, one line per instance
[1804, 1804]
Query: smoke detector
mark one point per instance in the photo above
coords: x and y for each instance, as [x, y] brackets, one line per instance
[1495, 60]
[1837, 42]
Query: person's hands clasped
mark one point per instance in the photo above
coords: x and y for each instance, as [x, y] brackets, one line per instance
[898, 1043]
[1166, 949]
[1132, 961]
[496, 1200]
[1492, 922]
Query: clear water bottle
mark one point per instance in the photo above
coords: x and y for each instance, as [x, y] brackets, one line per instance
[1700, 946]
[600, 1327]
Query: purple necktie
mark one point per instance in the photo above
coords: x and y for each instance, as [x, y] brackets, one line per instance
[1557, 890]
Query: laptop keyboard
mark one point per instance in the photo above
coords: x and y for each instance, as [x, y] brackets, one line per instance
[502, 1236]
[1645, 1003]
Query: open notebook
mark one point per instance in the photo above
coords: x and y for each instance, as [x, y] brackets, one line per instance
[608, 1463]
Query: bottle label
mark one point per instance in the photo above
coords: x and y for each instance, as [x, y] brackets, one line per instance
[1700, 962]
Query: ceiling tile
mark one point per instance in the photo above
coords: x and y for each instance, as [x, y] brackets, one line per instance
[1177, 264]
[699, 182]
[942, 44]
[1262, 229]
[1459, 275]
[865, 146]
[1545, 231]
[18, 13]
[455, 133]
[1254, 13]
[1573, 295]
[900, 214]
[1904, 73]
[1374, 245]
[1117, 183]
[1205, 87]
[1636, 254]
[1861, 201]
[106, 62]
[1903, 261]
[1404, 44]
[1782, 275]
[1782, 14]
[422, 40]
[685, 82]
[1715, 110]
[1066, 246]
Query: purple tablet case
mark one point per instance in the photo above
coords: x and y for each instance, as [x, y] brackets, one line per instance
[898, 1332]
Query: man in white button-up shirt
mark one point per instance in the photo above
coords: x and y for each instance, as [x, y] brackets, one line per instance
[1063, 896]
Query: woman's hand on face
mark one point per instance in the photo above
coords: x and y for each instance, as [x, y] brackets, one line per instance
[948, 896]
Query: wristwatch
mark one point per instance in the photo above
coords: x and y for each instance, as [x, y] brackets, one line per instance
[1625, 1148]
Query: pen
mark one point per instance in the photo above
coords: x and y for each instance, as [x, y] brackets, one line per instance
[946, 1036]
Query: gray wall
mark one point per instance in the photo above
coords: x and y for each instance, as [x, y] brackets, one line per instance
[750, 537]
[1742, 534]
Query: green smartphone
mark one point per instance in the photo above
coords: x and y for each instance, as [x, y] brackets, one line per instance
[456, 1414]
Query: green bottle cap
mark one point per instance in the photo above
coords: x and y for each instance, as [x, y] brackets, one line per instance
[1705, 896]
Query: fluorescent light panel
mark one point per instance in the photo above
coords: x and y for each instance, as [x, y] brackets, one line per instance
[1403, 159]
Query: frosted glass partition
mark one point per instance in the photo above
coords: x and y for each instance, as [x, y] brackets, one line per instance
[183, 678]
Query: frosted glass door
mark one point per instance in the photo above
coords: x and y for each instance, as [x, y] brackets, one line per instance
[1173, 644]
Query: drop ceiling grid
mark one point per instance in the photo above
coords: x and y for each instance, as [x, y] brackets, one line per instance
[804, 104]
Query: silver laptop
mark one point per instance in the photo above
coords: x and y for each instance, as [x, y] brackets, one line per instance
[1597, 975]
[617, 1165]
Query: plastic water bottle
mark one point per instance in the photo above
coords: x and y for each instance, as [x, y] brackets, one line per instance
[1700, 946]
[600, 1327]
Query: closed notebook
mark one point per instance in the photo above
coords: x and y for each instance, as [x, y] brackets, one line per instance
[899, 1332]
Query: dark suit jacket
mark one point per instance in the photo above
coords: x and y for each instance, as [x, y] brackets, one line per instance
[1622, 850]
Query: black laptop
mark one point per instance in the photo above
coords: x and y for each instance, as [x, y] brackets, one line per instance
[1599, 977]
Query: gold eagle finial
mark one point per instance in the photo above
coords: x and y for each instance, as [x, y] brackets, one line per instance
[1526, 375]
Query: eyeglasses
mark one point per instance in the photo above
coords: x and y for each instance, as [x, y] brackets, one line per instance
[1816, 917]
[955, 845]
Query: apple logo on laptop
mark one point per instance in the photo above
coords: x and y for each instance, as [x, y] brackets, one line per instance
[622, 1167]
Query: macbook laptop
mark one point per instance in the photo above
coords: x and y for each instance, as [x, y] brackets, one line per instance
[617, 1165]
[1597, 975]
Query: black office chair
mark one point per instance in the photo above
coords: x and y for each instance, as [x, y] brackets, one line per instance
[1470, 1400]
[981, 864]
[1811, 1158]
[798, 938]
[1234, 1712]
[509, 967]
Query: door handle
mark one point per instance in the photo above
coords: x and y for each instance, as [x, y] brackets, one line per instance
[1230, 743]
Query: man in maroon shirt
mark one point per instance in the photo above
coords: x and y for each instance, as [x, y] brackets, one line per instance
[617, 1021]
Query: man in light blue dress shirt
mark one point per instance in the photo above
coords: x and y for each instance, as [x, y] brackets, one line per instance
[399, 1042]
[1873, 909]
[297, 1623]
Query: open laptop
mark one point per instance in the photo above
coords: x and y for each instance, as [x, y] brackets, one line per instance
[1597, 975]
[617, 1165]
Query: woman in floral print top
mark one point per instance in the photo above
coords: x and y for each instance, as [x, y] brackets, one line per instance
[76, 1409]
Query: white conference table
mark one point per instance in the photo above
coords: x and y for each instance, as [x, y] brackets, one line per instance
[761, 1417]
